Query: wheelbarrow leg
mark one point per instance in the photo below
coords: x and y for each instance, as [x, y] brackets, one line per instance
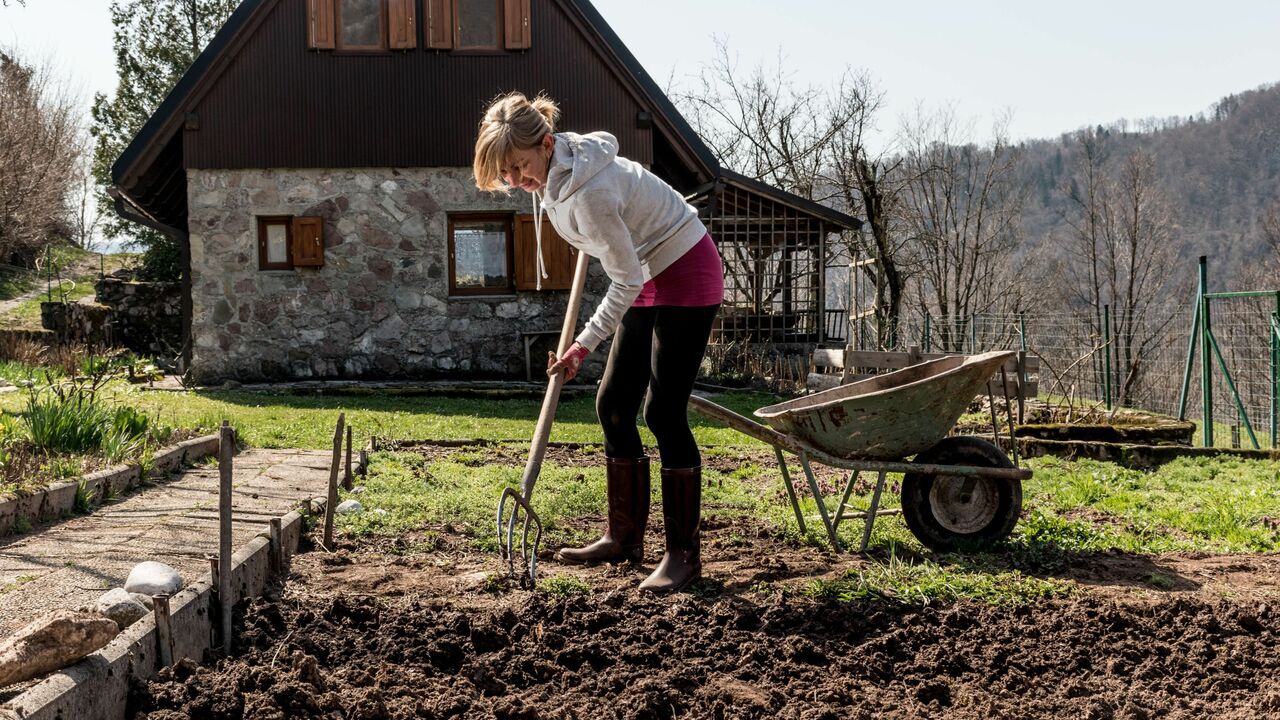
[817, 497]
[791, 492]
[844, 499]
[871, 512]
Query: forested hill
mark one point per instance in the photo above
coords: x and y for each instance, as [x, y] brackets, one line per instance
[1218, 172]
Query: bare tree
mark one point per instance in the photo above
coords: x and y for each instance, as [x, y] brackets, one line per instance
[762, 125]
[88, 214]
[962, 209]
[870, 184]
[39, 150]
[1121, 251]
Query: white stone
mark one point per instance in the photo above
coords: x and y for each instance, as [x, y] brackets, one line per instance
[408, 299]
[380, 512]
[390, 206]
[349, 506]
[146, 600]
[389, 186]
[357, 490]
[153, 578]
[508, 310]
[61, 638]
[121, 606]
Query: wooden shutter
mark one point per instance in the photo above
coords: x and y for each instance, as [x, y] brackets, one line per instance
[308, 241]
[559, 256]
[403, 31]
[439, 24]
[321, 19]
[516, 25]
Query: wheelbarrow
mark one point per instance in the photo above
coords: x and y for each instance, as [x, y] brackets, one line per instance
[956, 491]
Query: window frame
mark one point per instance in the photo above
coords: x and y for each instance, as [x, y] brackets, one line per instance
[263, 222]
[500, 41]
[382, 48]
[508, 220]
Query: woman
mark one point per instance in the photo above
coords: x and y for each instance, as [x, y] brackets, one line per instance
[666, 286]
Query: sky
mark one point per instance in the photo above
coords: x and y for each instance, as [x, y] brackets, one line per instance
[1055, 66]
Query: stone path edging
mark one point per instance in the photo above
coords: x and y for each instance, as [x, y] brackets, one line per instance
[59, 500]
[96, 687]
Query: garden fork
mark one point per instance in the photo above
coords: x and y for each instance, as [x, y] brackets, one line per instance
[514, 510]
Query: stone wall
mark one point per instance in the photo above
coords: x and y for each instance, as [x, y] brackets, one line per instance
[379, 307]
[146, 317]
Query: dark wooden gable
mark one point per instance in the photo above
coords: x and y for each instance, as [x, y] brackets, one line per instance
[278, 104]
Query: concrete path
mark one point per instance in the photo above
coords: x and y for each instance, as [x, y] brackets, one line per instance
[71, 563]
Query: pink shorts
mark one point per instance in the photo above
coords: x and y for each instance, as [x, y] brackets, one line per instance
[696, 279]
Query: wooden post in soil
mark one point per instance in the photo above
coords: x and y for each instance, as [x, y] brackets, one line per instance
[330, 506]
[164, 629]
[226, 449]
[346, 477]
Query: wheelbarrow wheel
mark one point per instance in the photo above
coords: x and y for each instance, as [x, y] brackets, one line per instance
[953, 512]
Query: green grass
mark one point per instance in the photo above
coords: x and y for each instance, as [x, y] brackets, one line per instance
[307, 421]
[1192, 504]
[926, 582]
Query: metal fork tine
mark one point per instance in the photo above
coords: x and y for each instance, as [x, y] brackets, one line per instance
[530, 524]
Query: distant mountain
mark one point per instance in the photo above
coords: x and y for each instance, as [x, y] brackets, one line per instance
[1219, 170]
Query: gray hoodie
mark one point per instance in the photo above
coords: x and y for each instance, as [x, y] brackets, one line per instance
[614, 209]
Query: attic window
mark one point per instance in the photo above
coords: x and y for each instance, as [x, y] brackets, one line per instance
[477, 25]
[361, 25]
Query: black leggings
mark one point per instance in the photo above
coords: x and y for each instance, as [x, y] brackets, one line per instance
[658, 350]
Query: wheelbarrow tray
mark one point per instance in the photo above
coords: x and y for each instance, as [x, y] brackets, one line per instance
[890, 416]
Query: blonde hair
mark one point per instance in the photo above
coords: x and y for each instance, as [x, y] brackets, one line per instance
[512, 122]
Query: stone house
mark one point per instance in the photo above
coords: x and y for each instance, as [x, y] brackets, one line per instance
[314, 166]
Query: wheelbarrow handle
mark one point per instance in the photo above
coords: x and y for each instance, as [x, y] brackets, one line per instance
[550, 401]
[744, 425]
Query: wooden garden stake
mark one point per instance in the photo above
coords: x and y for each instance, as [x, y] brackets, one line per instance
[331, 506]
[226, 449]
[277, 550]
[164, 629]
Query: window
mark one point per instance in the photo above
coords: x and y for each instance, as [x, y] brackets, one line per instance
[498, 254]
[477, 25]
[361, 25]
[286, 242]
[480, 254]
[273, 243]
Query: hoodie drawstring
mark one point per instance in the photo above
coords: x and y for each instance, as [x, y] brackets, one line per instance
[537, 234]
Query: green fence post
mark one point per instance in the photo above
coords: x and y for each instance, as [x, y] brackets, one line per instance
[973, 333]
[1191, 355]
[1275, 374]
[926, 342]
[1106, 357]
[1022, 331]
[1206, 358]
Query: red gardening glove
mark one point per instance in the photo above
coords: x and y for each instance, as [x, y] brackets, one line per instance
[567, 363]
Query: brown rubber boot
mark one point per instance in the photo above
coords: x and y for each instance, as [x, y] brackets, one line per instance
[627, 488]
[681, 518]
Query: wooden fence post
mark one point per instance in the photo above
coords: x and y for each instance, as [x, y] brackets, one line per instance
[331, 505]
[226, 449]
[164, 629]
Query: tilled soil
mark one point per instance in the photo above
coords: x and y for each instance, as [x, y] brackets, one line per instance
[345, 655]
[416, 627]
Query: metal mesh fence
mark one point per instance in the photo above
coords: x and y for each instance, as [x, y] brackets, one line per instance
[1147, 363]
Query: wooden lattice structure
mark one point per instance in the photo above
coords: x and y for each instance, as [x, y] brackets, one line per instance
[773, 246]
